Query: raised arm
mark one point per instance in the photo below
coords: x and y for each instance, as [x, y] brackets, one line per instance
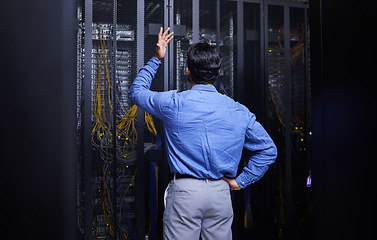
[139, 92]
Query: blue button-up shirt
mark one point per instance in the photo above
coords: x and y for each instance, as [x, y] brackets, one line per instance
[205, 131]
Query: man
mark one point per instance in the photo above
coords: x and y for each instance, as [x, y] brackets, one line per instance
[205, 133]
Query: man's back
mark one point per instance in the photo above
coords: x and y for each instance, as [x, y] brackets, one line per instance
[206, 132]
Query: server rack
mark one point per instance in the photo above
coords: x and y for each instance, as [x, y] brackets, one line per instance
[256, 40]
[107, 168]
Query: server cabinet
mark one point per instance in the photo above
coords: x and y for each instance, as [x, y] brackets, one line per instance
[107, 136]
[288, 119]
[265, 67]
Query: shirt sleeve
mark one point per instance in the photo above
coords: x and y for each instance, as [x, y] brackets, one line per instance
[262, 150]
[140, 93]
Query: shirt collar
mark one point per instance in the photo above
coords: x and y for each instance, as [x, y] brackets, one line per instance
[203, 87]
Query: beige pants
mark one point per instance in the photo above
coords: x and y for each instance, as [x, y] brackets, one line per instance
[195, 208]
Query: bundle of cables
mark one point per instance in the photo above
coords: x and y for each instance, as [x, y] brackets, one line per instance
[277, 69]
[125, 153]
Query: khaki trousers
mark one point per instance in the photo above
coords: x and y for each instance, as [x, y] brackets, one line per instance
[195, 207]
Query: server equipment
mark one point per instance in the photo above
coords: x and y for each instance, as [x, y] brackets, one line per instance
[122, 169]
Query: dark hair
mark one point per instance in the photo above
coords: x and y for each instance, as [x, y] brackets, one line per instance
[204, 62]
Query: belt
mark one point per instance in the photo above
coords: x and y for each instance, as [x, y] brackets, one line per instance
[180, 176]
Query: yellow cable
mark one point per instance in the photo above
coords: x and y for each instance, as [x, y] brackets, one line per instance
[124, 194]
[125, 128]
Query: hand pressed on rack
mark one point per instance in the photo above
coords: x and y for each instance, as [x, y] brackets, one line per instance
[162, 43]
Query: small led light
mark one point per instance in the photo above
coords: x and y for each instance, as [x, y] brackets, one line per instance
[309, 181]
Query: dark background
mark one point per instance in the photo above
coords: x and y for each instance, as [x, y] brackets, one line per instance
[343, 90]
[38, 105]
